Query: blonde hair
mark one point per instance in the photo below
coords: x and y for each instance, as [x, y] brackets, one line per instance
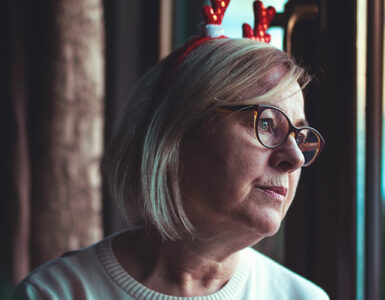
[141, 164]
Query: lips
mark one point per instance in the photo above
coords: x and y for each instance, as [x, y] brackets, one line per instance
[276, 192]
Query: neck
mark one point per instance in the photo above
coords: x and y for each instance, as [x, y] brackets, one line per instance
[184, 268]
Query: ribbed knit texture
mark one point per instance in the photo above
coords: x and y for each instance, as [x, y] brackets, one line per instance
[93, 273]
[137, 290]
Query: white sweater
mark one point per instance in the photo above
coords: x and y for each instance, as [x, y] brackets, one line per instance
[95, 273]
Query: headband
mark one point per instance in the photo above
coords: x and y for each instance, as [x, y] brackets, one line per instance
[212, 26]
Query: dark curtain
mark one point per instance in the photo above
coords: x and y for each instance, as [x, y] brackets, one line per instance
[45, 123]
[28, 50]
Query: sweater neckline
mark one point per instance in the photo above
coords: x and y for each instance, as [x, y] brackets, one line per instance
[137, 290]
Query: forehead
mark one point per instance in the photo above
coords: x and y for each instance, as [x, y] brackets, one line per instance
[291, 101]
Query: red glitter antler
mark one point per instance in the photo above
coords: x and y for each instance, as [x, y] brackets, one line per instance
[214, 14]
[262, 19]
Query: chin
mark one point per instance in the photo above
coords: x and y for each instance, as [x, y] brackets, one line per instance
[265, 224]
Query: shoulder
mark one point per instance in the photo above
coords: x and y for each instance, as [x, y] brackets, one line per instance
[279, 282]
[71, 274]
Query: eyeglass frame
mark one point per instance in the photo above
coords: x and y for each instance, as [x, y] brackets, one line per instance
[257, 109]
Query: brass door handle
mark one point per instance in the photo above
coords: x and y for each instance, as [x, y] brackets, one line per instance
[300, 12]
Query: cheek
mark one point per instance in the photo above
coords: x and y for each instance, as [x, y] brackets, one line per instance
[220, 169]
[243, 163]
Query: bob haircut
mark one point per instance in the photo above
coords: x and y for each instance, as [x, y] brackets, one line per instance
[142, 163]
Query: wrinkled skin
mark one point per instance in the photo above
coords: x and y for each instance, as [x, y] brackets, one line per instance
[225, 166]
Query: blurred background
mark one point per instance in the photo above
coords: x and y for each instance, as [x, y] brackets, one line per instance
[67, 67]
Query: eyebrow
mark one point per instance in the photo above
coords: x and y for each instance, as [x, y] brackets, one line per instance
[243, 107]
[302, 122]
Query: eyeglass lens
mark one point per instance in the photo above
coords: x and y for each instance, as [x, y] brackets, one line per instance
[273, 128]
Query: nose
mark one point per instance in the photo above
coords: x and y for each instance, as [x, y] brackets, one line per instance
[288, 157]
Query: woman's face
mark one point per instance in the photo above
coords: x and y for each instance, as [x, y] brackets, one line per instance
[232, 182]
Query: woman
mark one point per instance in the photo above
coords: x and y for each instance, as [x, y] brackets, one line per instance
[206, 159]
[205, 162]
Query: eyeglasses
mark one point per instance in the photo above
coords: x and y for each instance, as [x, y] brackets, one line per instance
[272, 127]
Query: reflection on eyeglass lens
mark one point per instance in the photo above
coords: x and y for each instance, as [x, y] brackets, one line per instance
[273, 128]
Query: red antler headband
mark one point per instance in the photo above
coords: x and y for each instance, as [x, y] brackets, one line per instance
[212, 29]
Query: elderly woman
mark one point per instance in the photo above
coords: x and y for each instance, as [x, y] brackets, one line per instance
[205, 160]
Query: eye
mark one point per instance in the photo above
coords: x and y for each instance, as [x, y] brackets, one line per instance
[266, 125]
[300, 138]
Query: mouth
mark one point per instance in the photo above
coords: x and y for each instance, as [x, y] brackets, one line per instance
[276, 192]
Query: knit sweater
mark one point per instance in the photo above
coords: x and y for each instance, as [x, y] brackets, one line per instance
[95, 273]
